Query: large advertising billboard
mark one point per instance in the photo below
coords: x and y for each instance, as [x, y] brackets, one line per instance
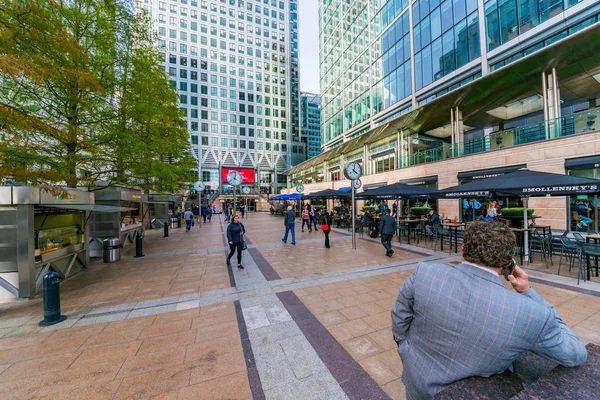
[247, 174]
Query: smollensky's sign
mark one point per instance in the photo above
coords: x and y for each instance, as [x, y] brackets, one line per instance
[560, 189]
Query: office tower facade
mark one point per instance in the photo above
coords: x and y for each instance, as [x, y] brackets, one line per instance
[423, 91]
[235, 65]
[310, 123]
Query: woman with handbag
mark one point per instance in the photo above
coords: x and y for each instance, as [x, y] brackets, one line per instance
[326, 227]
[306, 218]
[235, 237]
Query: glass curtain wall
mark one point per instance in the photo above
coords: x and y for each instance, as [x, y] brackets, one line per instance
[506, 19]
[446, 37]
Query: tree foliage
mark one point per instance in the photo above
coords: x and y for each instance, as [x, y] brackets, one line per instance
[83, 98]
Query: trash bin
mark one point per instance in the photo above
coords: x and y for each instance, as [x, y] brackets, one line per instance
[111, 250]
[173, 223]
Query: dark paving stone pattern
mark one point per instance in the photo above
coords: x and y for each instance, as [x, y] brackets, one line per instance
[356, 383]
[253, 377]
[263, 265]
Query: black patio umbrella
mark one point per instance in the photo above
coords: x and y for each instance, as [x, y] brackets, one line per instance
[523, 183]
[327, 194]
[397, 191]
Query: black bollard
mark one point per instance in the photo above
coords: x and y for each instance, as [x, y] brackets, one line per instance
[51, 295]
[179, 222]
[138, 245]
[166, 226]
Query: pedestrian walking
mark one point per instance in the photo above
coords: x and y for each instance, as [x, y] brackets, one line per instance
[289, 221]
[189, 219]
[204, 213]
[235, 237]
[196, 212]
[306, 218]
[387, 230]
[209, 213]
[243, 210]
[313, 217]
[326, 227]
[395, 209]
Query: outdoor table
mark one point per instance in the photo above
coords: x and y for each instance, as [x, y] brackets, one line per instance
[520, 233]
[544, 228]
[408, 223]
[452, 227]
[595, 238]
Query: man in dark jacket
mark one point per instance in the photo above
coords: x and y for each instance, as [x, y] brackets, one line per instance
[289, 221]
[387, 229]
[433, 222]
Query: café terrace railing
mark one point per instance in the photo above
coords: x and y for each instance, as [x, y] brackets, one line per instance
[582, 122]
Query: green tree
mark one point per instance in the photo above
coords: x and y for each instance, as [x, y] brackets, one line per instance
[83, 97]
[57, 61]
[149, 136]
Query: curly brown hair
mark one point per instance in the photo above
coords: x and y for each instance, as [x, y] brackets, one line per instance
[489, 244]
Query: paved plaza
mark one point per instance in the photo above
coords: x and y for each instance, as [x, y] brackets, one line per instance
[298, 322]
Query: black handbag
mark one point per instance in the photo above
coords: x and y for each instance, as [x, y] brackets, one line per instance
[374, 234]
[244, 245]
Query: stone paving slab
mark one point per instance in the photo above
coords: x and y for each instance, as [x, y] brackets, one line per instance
[165, 326]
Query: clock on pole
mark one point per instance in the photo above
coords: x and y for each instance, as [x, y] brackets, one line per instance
[352, 170]
[356, 184]
[299, 188]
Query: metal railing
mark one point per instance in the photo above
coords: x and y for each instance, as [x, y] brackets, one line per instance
[582, 122]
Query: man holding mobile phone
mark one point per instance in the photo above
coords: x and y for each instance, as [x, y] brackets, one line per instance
[453, 323]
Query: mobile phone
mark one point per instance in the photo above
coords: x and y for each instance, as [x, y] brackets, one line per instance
[508, 270]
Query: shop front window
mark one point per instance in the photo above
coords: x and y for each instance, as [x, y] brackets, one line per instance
[384, 164]
[582, 215]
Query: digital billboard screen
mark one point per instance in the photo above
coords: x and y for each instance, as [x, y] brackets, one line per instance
[247, 174]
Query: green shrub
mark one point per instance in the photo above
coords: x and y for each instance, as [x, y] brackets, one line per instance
[337, 208]
[319, 207]
[515, 212]
[368, 208]
[419, 210]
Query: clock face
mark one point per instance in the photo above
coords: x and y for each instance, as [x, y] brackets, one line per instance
[356, 184]
[300, 188]
[234, 178]
[199, 186]
[353, 170]
[246, 190]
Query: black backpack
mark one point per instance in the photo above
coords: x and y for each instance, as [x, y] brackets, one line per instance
[374, 234]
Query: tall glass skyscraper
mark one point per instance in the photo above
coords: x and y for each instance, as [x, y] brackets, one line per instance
[235, 64]
[310, 123]
[440, 92]
[381, 59]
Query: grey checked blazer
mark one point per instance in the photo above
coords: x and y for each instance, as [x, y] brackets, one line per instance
[453, 323]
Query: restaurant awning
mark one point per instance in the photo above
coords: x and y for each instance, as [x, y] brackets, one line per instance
[523, 183]
[488, 173]
[89, 207]
[396, 191]
[583, 162]
[345, 189]
[327, 194]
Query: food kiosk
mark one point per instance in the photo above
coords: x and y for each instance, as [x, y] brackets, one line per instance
[124, 224]
[159, 206]
[41, 230]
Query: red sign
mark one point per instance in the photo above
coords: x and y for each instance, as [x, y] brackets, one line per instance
[247, 174]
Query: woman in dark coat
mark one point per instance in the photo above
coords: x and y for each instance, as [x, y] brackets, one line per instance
[235, 237]
[327, 219]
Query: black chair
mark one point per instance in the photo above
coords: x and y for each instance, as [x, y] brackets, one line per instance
[588, 251]
[579, 237]
[539, 244]
[439, 235]
[569, 250]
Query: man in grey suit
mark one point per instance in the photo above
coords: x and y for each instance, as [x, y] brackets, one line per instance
[451, 323]
[387, 228]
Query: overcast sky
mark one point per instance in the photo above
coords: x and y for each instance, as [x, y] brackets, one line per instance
[308, 43]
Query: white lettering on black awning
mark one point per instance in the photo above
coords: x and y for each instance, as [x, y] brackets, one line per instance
[559, 189]
[474, 193]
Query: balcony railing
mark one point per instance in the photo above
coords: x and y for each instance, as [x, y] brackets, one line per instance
[582, 122]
